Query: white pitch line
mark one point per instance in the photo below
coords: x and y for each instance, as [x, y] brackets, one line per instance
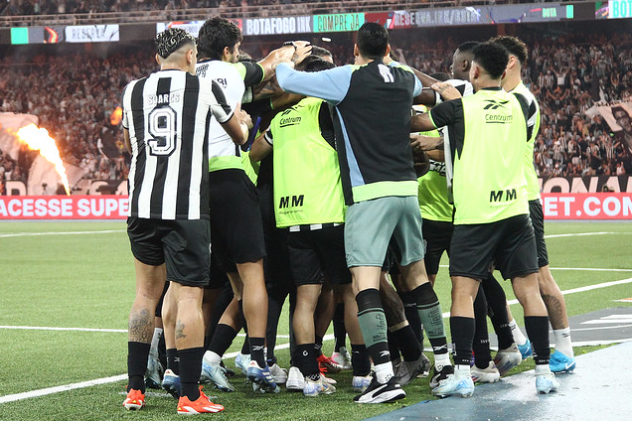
[104, 380]
[582, 234]
[579, 269]
[76, 329]
[63, 388]
[574, 291]
[36, 234]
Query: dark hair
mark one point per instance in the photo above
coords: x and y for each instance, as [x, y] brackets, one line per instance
[316, 64]
[171, 39]
[618, 108]
[514, 46]
[372, 40]
[216, 34]
[320, 51]
[467, 46]
[245, 57]
[492, 57]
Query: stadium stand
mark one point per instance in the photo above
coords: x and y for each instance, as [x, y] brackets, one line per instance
[569, 74]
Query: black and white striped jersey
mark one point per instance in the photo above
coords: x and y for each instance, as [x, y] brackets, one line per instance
[168, 116]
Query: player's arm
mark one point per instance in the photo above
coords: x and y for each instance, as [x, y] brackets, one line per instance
[439, 92]
[426, 143]
[437, 155]
[128, 145]
[331, 85]
[294, 52]
[444, 114]
[261, 147]
[270, 87]
[232, 122]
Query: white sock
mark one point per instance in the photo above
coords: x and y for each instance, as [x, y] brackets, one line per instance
[542, 369]
[518, 336]
[442, 360]
[153, 350]
[211, 358]
[463, 369]
[563, 341]
[384, 372]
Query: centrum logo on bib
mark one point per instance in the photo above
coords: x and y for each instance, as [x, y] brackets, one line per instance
[500, 117]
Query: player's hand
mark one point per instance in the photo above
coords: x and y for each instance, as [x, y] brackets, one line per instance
[244, 118]
[446, 91]
[424, 143]
[303, 49]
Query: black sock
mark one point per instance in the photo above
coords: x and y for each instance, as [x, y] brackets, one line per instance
[462, 329]
[245, 347]
[306, 360]
[340, 332]
[318, 346]
[538, 333]
[393, 346]
[373, 324]
[497, 303]
[407, 342]
[221, 302]
[223, 338]
[173, 361]
[190, 369]
[412, 315]
[480, 345]
[257, 346]
[360, 360]
[137, 355]
[275, 306]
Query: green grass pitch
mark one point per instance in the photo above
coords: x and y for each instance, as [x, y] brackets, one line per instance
[81, 275]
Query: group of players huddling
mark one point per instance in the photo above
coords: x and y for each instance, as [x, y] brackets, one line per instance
[306, 180]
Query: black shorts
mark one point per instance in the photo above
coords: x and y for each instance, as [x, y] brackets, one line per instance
[183, 245]
[276, 265]
[236, 227]
[537, 219]
[314, 253]
[437, 236]
[218, 277]
[509, 243]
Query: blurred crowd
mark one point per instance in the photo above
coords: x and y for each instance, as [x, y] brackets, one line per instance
[51, 7]
[567, 74]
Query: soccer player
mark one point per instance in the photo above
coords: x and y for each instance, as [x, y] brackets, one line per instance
[491, 223]
[165, 121]
[372, 120]
[563, 359]
[434, 200]
[235, 216]
[309, 202]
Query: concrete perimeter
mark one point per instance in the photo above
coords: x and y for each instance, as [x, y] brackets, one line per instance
[598, 390]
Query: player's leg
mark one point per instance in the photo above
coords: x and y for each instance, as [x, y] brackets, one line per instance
[225, 332]
[408, 236]
[484, 370]
[149, 285]
[518, 261]
[563, 359]
[368, 229]
[331, 250]
[150, 280]
[471, 252]
[187, 264]
[171, 379]
[414, 361]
